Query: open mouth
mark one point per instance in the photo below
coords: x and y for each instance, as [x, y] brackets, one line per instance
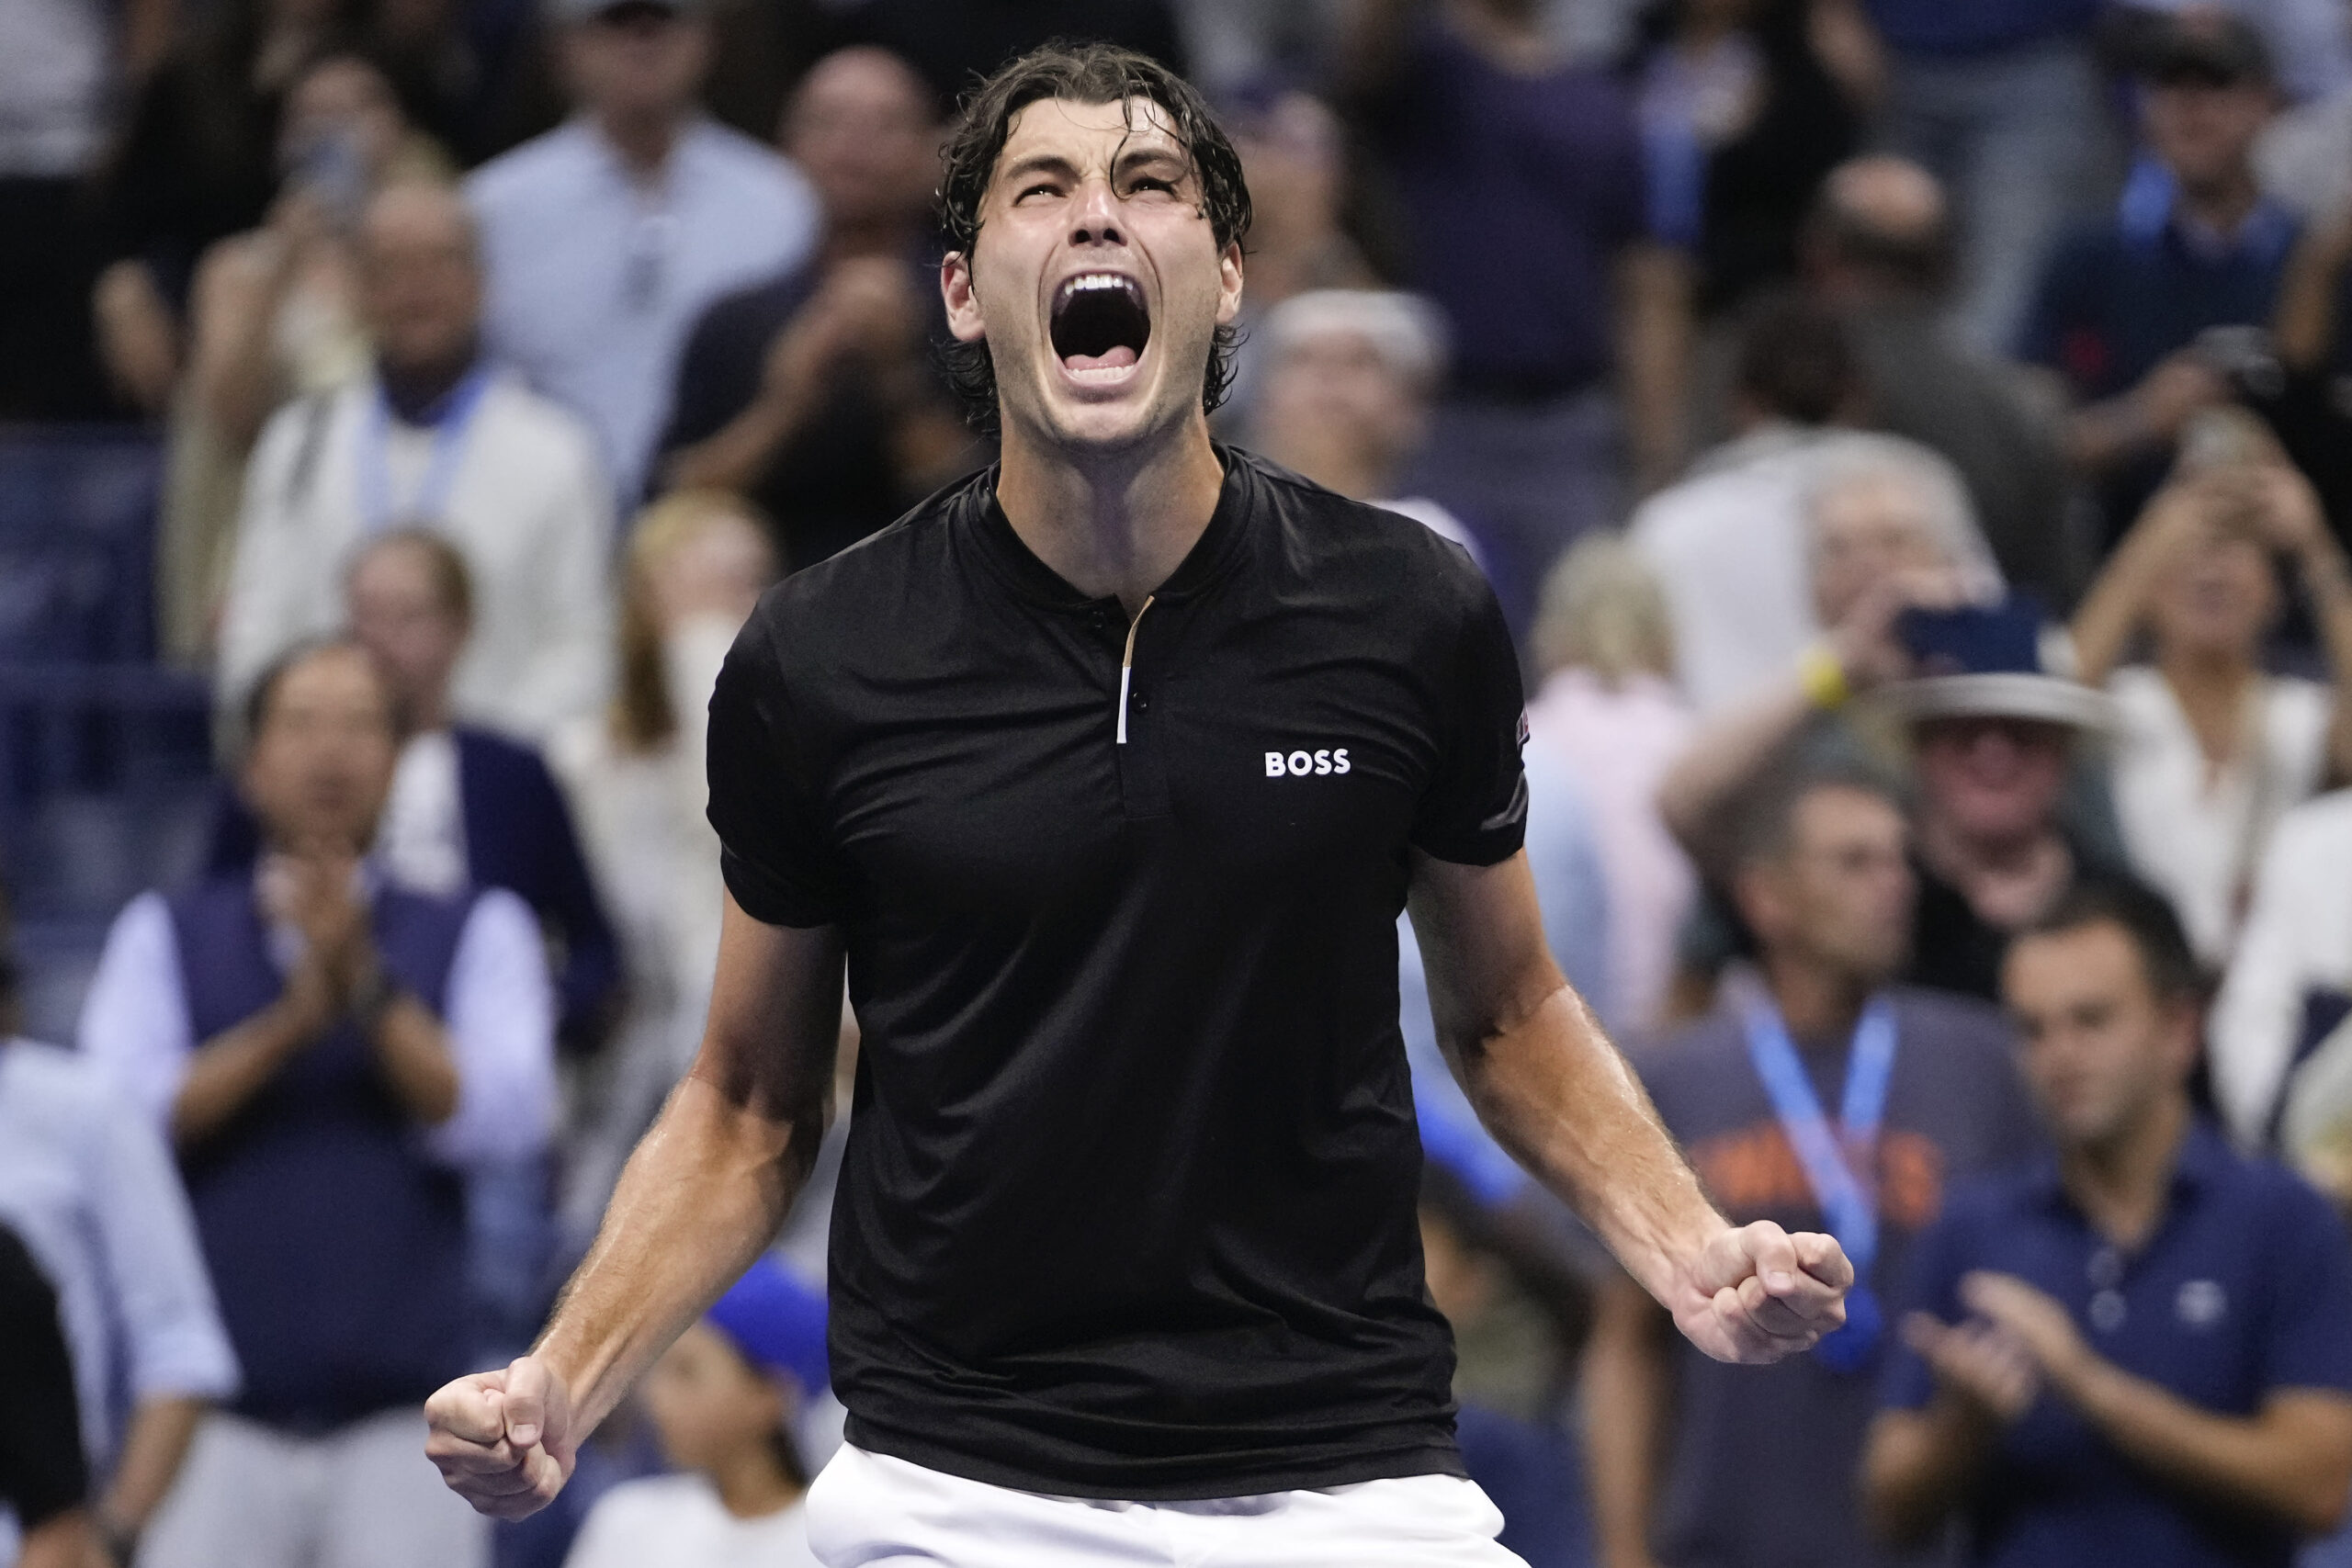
[1100, 321]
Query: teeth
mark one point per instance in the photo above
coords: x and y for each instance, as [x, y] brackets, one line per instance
[1086, 282]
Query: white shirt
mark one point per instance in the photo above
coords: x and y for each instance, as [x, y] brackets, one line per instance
[595, 278]
[87, 1183]
[677, 1521]
[500, 1024]
[421, 842]
[2196, 834]
[527, 503]
[2297, 938]
[55, 70]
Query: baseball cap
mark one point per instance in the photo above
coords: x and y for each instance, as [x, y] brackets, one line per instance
[776, 1324]
[2211, 48]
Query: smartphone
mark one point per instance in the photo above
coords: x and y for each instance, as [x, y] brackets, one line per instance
[1974, 638]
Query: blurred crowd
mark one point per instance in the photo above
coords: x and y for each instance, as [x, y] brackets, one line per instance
[1911, 439]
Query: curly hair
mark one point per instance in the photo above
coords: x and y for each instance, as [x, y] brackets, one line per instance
[1082, 74]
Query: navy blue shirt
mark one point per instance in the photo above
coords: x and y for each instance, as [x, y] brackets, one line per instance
[1977, 26]
[2245, 1289]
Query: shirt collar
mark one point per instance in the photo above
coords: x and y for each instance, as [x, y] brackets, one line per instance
[1207, 561]
[2149, 214]
[2203, 1158]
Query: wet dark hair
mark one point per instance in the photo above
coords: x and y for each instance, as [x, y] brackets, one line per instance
[2146, 919]
[1082, 73]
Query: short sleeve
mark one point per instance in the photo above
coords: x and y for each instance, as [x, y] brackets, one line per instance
[1475, 812]
[1931, 1284]
[774, 848]
[2306, 1346]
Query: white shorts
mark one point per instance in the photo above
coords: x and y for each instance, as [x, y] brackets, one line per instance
[869, 1510]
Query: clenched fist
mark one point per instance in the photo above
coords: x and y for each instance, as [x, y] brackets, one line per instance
[503, 1440]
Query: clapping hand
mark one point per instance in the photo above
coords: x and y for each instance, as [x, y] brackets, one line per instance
[1758, 1293]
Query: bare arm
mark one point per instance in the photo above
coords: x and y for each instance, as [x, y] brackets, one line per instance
[2112, 610]
[2306, 326]
[233, 1067]
[1626, 1391]
[1653, 315]
[1919, 1466]
[137, 338]
[703, 1192]
[1555, 1092]
[2146, 418]
[233, 315]
[413, 1050]
[152, 1450]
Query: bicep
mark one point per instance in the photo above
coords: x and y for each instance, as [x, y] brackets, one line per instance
[1481, 936]
[774, 1024]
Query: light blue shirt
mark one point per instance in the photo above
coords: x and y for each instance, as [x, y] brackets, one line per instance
[1566, 863]
[594, 277]
[86, 1182]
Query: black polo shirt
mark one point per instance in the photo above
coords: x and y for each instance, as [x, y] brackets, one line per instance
[1127, 1208]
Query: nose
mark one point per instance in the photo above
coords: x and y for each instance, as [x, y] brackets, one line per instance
[1094, 219]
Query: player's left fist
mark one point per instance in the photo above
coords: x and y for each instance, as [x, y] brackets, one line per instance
[1757, 1292]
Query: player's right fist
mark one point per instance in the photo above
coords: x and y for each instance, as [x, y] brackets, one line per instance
[503, 1440]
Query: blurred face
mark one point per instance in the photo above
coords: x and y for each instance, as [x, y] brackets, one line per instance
[2099, 1049]
[2204, 134]
[708, 1404]
[861, 128]
[720, 570]
[637, 60]
[1095, 278]
[1336, 393]
[1865, 534]
[320, 764]
[1992, 780]
[399, 616]
[346, 99]
[1841, 894]
[1291, 159]
[2218, 596]
[420, 283]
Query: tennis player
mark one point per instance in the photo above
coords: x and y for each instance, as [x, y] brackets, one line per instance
[1106, 773]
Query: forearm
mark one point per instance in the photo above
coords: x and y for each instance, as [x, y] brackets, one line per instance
[741, 450]
[65, 1541]
[235, 1064]
[706, 1191]
[1626, 1382]
[1919, 1466]
[151, 1452]
[2100, 435]
[2304, 327]
[412, 1052]
[2327, 579]
[1722, 758]
[1653, 351]
[2273, 1467]
[2111, 611]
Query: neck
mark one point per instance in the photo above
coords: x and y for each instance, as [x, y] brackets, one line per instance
[413, 388]
[643, 139]
[1817, 1001]
[2119, 1182]
[2222, 205]
[2206, 674]
[428, 711]
[752, 1484]
[1117, 524]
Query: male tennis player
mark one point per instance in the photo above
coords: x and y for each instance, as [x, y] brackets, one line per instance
[1108, 772]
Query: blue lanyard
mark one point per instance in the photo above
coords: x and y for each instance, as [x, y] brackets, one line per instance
[1849, 1203]
[376, 509]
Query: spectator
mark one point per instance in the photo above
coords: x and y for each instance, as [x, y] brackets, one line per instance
[697, 561]
[2001, 101]
[468, 808]
[605, 239]
[1346, 379]
[724, 1400]
[43, 1480]
[88, 1184]
[330, 1053]
[195, 161]
[1992, 738]
[2126, 310]
[1515, 1322]
[440, 438]
[1695, 1462]
[274, 314]
[2134, 1353]
[2212, 751]
[1485, 129]
[955, 47]
[2312, 414]
[1746, 106]
[1731, 544]
[61, 66]
[2311, 40]
[1609, 712]
[812, 392]
[1293, 155]
[1877, 252]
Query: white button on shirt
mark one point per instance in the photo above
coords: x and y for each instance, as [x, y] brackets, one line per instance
[594, 277]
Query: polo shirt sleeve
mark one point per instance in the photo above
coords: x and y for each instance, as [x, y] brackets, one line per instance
[775, 850]
[1475, 811]
[2306, 1345]
[1931, 1284]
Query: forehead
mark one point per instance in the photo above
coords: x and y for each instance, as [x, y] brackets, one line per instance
[336, 681]
[1089, 135]
[2051, 967]
[1840, 811]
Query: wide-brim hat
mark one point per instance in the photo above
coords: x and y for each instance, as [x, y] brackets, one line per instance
[2002, 660]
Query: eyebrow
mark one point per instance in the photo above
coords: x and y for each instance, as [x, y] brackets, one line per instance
[1126, 163]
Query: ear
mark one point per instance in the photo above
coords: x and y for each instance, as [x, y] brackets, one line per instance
[963, 301]
[2184, 1034]
[1228, 288]
[1756, 894]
